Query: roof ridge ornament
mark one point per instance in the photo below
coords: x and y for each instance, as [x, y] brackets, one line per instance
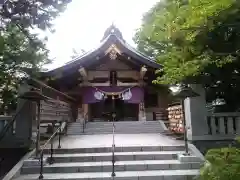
[113, 30]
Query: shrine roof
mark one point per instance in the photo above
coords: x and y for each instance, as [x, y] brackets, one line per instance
[112, 36]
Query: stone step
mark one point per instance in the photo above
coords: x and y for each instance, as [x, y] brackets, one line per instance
[109, 132]
[117, 127]
[116, 123]
[127, 175]
[122, 127]
[120, 124]
[118, 130]
[121, 130]
[110, 127]
[125, 125]
[143, 165]
[120, 156]
[117, 149]
[80, 132]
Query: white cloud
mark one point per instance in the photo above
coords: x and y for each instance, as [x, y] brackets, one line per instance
[83, 24]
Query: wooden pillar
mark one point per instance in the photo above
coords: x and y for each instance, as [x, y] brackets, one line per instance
[86, 111]
[80, 115]
[141, 113]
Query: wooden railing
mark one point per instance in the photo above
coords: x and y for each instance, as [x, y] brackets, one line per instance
[53, 112]
[56, 109]
[49, 91]
[223, 124]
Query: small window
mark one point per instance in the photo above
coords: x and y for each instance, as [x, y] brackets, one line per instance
[113, 78]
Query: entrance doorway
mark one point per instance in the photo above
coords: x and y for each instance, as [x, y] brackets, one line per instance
[102, 111]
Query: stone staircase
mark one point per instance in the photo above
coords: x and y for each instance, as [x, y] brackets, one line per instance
[123, 127]
[132, 163]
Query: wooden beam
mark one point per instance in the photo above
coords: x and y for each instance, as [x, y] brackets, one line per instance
[143, 71]
[83, 72]
[48, 87]
[108, 84]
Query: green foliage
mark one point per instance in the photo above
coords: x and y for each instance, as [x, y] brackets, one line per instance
[37, 13]
[179, 34]
[222, 164]
[195, 41]
[16, 54]
[20, 49]
[238, 139]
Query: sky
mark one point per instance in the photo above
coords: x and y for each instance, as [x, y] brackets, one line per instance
[83, 23]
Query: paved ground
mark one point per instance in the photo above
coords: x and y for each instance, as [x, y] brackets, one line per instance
[88, 141]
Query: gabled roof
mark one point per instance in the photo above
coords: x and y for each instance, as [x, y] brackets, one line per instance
[111, 36]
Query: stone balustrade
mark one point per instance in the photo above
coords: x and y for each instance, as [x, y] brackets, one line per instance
[223, 125]
[4, 121]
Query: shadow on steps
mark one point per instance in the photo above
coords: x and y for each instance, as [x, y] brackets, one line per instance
[9, 157]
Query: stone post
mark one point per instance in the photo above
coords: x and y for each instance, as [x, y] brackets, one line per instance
[196, 114]
[26, 118]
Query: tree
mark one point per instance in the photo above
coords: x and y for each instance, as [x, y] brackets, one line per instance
[29, 13]
[17, 53]
[195, 41]
[20, 49]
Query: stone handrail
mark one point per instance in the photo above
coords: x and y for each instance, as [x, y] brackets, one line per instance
[226, 124]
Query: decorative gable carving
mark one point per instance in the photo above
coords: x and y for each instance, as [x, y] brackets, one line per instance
[113, 51]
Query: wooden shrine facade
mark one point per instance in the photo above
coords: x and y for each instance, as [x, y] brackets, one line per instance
[113, 77]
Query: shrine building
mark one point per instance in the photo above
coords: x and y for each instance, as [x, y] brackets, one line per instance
[112, 77]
